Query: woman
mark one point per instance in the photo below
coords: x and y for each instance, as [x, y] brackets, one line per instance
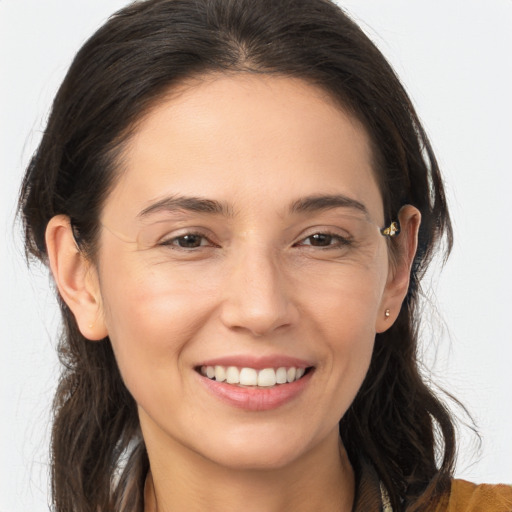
[237, 207]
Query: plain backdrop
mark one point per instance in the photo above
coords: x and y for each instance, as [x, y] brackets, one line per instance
[454, 58]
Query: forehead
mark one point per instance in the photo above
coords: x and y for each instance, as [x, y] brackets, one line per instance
[248, 141]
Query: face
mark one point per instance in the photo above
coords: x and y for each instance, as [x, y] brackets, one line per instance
[241, 242]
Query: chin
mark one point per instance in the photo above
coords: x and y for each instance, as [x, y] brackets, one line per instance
[260, 449]
[256, 458]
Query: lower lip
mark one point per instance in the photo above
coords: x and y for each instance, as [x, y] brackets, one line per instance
[257, 399]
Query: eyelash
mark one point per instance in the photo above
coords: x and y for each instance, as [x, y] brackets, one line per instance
[172, 242]
[340, 241]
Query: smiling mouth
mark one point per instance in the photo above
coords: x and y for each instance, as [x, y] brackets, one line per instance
[264, 378]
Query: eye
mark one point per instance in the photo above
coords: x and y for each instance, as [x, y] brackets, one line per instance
[324, 240]
[187, 241]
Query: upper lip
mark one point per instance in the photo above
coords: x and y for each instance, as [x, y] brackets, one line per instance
[258, 362]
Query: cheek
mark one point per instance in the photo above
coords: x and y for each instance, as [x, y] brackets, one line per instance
[347, 325]
[346, 300]
[342, 315]
[152, 295]
[350, 348]
[151, 316]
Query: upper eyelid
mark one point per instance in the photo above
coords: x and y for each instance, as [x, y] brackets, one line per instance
[305, 233]
[331, 230]
[169, 240]
[184, 232]
[346, 239]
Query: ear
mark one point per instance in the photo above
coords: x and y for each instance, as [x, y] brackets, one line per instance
[405, 245]
[76, 278]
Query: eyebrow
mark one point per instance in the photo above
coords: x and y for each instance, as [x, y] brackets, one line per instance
[192, 204]
[316, 203]
[308, 204]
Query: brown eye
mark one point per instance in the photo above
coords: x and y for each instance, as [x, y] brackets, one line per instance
[324, 240]
[189, 241]
[320, 240]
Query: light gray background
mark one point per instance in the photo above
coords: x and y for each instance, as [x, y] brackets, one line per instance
[454, 58]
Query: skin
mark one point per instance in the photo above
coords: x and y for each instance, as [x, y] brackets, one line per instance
[254, 287]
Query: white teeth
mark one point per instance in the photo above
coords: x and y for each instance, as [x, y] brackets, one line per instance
[220, 373]
[232, 375]
[248, 377]
[281, 375]
[266, 378]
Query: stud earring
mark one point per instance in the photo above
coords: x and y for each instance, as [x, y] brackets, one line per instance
[387, 313]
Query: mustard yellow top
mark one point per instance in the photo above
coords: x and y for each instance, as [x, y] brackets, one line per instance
[371, 496]
[468, 497]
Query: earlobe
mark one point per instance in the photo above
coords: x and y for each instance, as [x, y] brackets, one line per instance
[406, 244]
[76, 278]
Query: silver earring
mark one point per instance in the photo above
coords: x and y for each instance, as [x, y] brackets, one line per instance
[387, 313]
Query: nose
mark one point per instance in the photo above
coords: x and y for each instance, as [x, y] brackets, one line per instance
[257, 295]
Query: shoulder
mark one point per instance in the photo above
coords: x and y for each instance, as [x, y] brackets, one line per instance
[468, 497]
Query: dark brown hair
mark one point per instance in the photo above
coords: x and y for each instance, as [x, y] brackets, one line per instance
[396, 423]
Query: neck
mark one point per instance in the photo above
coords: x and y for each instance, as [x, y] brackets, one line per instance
[321, 479]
